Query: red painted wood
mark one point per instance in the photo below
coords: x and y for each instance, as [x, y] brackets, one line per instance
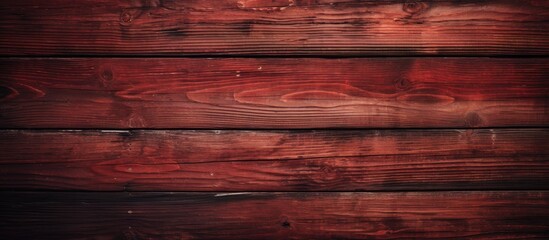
[275, 160]
[273, 93]
[426, 215]
[500, 105]
[280, 27]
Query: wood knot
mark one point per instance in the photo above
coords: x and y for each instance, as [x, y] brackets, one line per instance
[402, 84]
[473, 120]
[327, 169]
[106, 76]
[285, 223]
[328, 173]
[414, 7]
[126, 17]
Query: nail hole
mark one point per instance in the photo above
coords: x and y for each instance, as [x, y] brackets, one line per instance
[286, 224]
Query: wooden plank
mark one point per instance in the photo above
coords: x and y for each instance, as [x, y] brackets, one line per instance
[426, 215]
[274, 93]
[275, 160]
[275, 27]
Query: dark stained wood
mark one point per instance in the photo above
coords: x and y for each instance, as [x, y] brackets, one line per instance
[275, 27]
[275, 160]
[412, 215]
[274, 93]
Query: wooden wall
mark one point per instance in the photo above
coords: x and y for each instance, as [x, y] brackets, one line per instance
[274, 119]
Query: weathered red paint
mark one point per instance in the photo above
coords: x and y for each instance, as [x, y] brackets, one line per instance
[280, 27]
[274, 93]
[173, 160]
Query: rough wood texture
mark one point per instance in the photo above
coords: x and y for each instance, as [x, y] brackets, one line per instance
[441, 215]
[92, 135]
[275, 27]
[275, 160]
[273, 93]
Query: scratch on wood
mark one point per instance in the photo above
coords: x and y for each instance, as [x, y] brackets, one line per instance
[231, 194]
[115, 131]
[262, 5]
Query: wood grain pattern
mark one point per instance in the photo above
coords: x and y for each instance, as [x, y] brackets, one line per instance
[274, 93]
[123, 142]
[275, 160]
[275, 27]
[429, 215]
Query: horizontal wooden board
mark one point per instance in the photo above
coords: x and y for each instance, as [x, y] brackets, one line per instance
[275, 27]
[275, 160]
[273, 93]
[427, 215]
